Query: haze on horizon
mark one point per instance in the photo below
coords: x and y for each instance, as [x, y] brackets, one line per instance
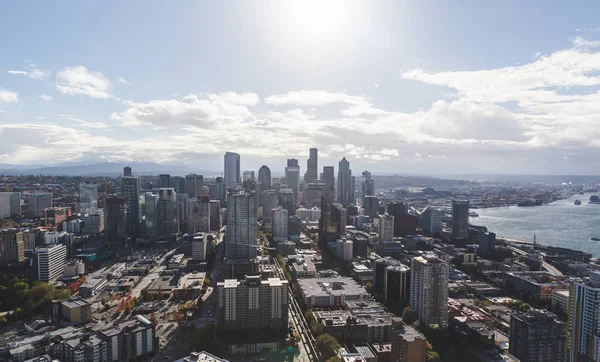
[411, 87]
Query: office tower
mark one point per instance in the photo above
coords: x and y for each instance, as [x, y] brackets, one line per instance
[126, 171]
[37, 203]
[295, 226]
[151, 203]
[269, 202]
[487, 243]
[12, 246]
[311, 166]
[93, 223]
[115, 221]
[396, 208]
[252, 304]
[329, 179]
[130, 190]
[50, 262]
[371, 206]
[312, 194]
[286, 199]
[204, 214]
[164, 181]
[232, 169]
[218, 190]
[166, 212]
[215, 215]
[241, 242]
[332, 224]
[537, 335]
[193, 216]
[88, 198]
[345, 188]
[264, 178]
[386, 227]
[292, 176]
[583, 327]
[199, 242]
[460, 220]
[280, 224]
[193, 185]
[10, 204]
[182, 210]
[431, 221]
[408, 344]
[344, 249]
[248, 176]
[368, 185]
[396, 290]
[178, 183]
[429, 290]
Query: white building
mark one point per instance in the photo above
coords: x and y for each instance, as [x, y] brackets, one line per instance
[429, 290]
[431, 221]
[386, 227]
[312, 214]
[88, 198]
[199, 247]
[10, 204]
[344, 249]
[279, 218]
[50, 262]
[241, 237]
[56, 237]
[93, 223]
[584, 307]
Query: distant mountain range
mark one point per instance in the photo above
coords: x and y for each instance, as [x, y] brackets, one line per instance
[100, 169]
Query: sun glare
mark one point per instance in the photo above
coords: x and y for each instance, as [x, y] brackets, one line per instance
[316, 19]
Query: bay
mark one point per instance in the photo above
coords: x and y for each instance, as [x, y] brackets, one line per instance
[560, 223]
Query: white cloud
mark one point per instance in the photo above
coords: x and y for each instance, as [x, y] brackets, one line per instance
[82, 123]
[46, 98]
[122, 80]
[18, 72]
[31, 71]
[356, 105]
[580, 42]
[8, 96]
[78, 80]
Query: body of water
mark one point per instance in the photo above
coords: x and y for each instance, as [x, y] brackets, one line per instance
[558, 224]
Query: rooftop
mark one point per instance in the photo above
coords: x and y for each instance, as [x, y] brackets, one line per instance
[330, 286]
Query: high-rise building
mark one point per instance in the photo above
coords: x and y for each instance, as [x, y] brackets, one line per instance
[431, 221]
[164, 181]
[38, 203]
[218, 191]
[166, 212]
[10, 204]
[371, 206]
[182, 210]
[178, 183]
[126, 171]
[460, 220]
[252, 304]
[386, 227]
[12, 246]
[487, 243]
[328, 178]
[286, 200]
[345, 188]
[408, 344]
[232, 169]
[311, 196]
[368, 185]
[280, 224]
[241, 237]
[193, 185]
[248, 176]
[332, 224]
[115, 217]
[130, 190]
[397, 208]
[215, 215]
[199, 243]
[537, 335]
[151, 203]
[311, 166]
[204, 214]
[264, 178]
[50, 261]
[269, 202]
[396, 290]
[429, 290]
[583, 327]
[292, 176]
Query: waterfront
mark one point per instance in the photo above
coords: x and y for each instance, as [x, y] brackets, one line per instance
[560, 223]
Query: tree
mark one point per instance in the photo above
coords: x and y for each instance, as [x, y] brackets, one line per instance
[309, 317]
[327, 345]
[335, 359]
[153, 319]
[409, 316]
[432, 356]
[524, 307]
[2, 319]
[370, 289]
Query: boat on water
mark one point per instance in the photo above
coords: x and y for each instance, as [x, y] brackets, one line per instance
[526, 203]
[577, 202]
[473, 214]
[595, 238]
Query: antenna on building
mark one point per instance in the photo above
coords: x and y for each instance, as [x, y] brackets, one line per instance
[534, 239]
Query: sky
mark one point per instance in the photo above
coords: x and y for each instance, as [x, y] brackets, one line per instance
[406, 87]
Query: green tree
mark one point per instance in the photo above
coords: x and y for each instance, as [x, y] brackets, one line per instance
[432, 356]
[370, 288]
[2, 319]
[409, 316]
[327, 346]
[524, 307]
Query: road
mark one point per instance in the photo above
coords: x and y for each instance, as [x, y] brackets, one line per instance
[549, 268]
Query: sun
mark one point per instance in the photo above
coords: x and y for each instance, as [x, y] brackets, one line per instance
[315, 19]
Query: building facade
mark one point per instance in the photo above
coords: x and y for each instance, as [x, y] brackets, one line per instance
[115, 221]
[280, 224]
[232, 169]
[429, 290]
[130, 190]
[538, 335]
[460, 219]
[386, 227]
[241, 237]
[345, 187]
[10, 204]
[50, 261]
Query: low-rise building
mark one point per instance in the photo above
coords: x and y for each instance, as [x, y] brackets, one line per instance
[560, 301]
[537, 285]
[74, 310]
[201, 357]
[408, 344]
[330, 292]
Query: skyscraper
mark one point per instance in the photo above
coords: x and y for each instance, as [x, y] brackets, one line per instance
[164, 181]
[397, 287]
[178, 183]
[10, 204]
[232, 169]
[538, 335]
[311, 166]
[371, 206]
[241, 237]
[151, 202]
[115, 214]
[368, 185]
[332, 224]
[88, 198]
[269, 202]
[37, 203]
[280, 224]
[166, 212]
[12, 246]
[431, 221]
[199, 247]
[292, 175]
[286, 199]
[218, 190]
[264, 178]
[460, 219]
[429, 290]
[345, 188]
[130, 190]
[204, 214]
[386, 227]
[215, 215]
[50, 262]
[248, 176]
[584, 329]
[193, 185]
[329, 179]
[126, 171]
